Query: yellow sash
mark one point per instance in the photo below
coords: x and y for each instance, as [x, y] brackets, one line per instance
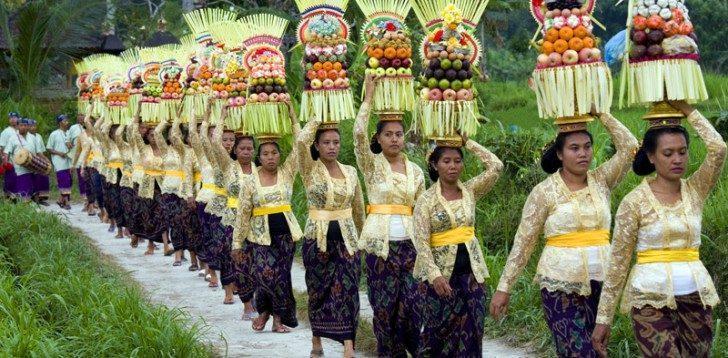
[668, 255]
[154, 173]
[115, 165]
[268, 210]
[127, 174]
[175, 173]
[197, 177]
[390, 210]
[232, 202]
[580, 239]
[329, 215]
[458, 235]
[215, 189]
[90, 157]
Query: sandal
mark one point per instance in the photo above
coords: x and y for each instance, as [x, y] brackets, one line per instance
[317, 353]
[228, 301]
[177, 263]
[256, 324]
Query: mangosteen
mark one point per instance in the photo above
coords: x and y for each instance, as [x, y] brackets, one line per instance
[268, 89]
[637, 51]
[451, 75]
[277, 89]
[429, 72]
[466, 65]
[639, 37]
[311, 58]
[259, 89]
[406, 63]
[384, 62]
[656, 36]
[435, 63]
[463, 75]
[439, 73]
[396, 63]
[654, 50]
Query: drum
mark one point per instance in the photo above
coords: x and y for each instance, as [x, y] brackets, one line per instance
[35, 163]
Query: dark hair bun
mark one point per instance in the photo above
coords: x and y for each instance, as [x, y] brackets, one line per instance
[641, 164]
[550, 162]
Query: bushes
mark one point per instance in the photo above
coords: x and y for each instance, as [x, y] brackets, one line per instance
[58, 298]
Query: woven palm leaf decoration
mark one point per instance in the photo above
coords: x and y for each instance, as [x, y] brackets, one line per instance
[93, 83]
[116, 89]
[229, 84]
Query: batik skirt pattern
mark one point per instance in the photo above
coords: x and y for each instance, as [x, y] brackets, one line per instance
[397, 300]
[64, 180]
[454, 325]
[683, 332]
[272, 271]
[332, 279]
[173, 208]
[112, 202]
[91, 189]
[571, 318]
[243, 272]
[149, 217]
[130, 204]
[97, 181]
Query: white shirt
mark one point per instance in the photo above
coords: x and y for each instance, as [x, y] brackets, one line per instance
[39, 145]
[57, 142]
[6, 134]
[15, 144]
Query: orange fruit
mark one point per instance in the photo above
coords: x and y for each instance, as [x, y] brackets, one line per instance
[390, 53]
[588, 42]
[311, 75]
[576, 44]
[337, 66]
[328, 66]
[317, 66]
[402, 53]
[581, 32]
[551, 35]
[370, 51]
[378, 53]
[561, 46]
[321, 74]
[547, 47]
[333, 74]
[566, 33]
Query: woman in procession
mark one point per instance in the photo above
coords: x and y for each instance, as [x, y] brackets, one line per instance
[393, 185]
[266, 221]
[669, 293]
[572, 209]
[330, 249]
[83, 161]
[112, 191]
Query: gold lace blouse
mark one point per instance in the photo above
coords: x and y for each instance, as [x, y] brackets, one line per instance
[205, 194]
[126, 154]
[171, 163]
[384, 187]
[254, 195]
[643, 223]
[152, 165]
[327, 193]
[552, 208]
[188, 162]
[434, 214]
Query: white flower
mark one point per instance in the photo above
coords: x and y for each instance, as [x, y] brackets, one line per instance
[559, 22]
[662, 3]
[666, 14]
[672, 4]
[573, 21]
[586, 20]
[649, 3]
[655, 9]
[643, 11]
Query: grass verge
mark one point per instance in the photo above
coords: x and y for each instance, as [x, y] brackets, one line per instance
[60, 298]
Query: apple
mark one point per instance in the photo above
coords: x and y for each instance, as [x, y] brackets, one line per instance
[444, 84]
[639, 37]
[380, 72]
[570, 57]
[543, 59]
[369, 71]
[407, 63]
[384, 62]
[316, 83]
[595, 55]
[391, 72]
[425, 93]
[449, 95]
[240, 101]
[402, 71]
[373, 62]
[584, 54]
[465, 95]
[328, 83]
[467, 84]
[339, 82]
[253, 98]
[396, 63]
[263, 97]
[273, 97]
[637, 51]
[435, 94]
[554, 59]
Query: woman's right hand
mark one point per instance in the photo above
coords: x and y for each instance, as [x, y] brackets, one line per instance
[370, 84]
[499, 304]
[442, 287]
[600, 338]
[683, 107]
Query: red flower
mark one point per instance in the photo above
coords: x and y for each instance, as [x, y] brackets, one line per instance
[391, 26]
[536, 3]
[438, 36]
[463, 41]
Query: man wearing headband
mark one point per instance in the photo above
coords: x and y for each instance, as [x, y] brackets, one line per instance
[20, 140]
[11, 130]
[59, 149]
[41, 182]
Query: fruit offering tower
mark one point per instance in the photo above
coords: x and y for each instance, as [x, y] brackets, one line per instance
[266, 112]
[93, 80]
[663, 56]
[84, 92]
[388, 46]
[116, 89]
[570, 75]
[133, 77]
[324, 34]
[229, 81]
[200, 23]
[171, 77]
[152, 58]
[447, 106]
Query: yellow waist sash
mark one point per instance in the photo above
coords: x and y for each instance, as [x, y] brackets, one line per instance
[329, 215]
[268, 210]
[580, 239]
[215, 189]
[90, 158]
[197, 177]
[390, 210]
[232, 202]
[458, 235]
[115, 165]
[153, 172]
[668, 255]
[175, 173]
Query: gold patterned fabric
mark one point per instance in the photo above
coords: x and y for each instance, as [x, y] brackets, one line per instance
[254, 195]
[434, 214]
[327, 193]
[204, 195]
[643, 223]
[126, 154]
[84, 141]
[150, 163]
[553, 209]
[188, 161]
[384, 187]
[171, 163]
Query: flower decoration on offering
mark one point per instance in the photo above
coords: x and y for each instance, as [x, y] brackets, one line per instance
[324, 35]
[389, 50]
[200, 23]
[116, 89]
[266, 112]
[229, 84]
[450, 52]
[570, 75]
[134, 69]
[663, 55]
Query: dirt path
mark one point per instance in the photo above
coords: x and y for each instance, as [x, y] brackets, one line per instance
[180, 288]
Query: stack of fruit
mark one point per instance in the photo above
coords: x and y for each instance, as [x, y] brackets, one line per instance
[170, 75]
[84, 93]
[229, 79]
[268, 78]
[389, 50]
[450, 53]
[567, 38]
[663, 54]
[661, 28]
[133, 76]
[570, 75]
[324, 34]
